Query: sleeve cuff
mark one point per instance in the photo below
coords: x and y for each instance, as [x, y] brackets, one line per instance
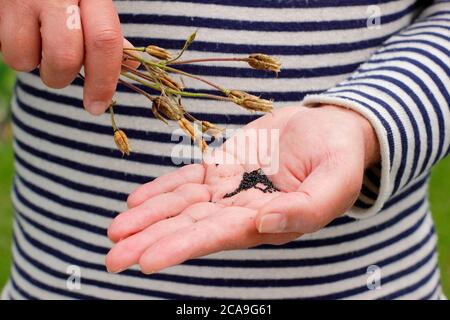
[372, 201]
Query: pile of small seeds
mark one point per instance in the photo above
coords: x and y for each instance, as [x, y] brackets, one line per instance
[251, 180]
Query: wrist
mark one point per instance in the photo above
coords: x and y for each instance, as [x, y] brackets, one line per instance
[371, 144]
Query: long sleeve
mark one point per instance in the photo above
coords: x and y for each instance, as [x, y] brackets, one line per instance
[403, 90]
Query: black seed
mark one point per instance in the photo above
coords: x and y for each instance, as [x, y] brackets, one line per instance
[251, 180]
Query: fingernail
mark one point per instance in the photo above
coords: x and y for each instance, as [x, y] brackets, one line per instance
[97, 108]
[272, 223]
[127, 44]
[148, 272]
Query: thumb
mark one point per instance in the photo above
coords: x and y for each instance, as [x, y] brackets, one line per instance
[131, 63]
[329, 191]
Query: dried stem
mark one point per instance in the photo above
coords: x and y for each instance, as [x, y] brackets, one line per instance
[137, 89]
[212, 84]
[185, 47]
[175, 92]
[140, 49]
[207, 60]
[111, 112]
[170, 69]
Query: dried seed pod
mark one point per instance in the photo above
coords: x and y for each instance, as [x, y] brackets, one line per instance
[158, 52]
[262, 61]
[154, 72]
[188, 127]
[237, 94]
[211, 129]
[170, 83]
[165, 108]
[250, 102]
[121, 140]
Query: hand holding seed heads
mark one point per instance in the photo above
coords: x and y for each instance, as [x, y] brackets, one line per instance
[61, 36]
[221, 205]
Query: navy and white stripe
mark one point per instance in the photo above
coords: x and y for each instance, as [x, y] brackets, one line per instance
[70, 181]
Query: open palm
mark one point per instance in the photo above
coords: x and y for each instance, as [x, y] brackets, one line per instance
[317, 165]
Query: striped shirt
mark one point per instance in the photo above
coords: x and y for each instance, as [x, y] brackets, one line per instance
[71, 181]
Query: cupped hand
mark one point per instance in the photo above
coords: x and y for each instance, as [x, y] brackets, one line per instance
[59, 37]
[317, 164]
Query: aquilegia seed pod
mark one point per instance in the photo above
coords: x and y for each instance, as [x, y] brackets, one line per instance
[158, 52]
[192, 132]
[211, 129]
[170, 83]
[250, 102]
[121, 140]
[187, 127]
[262, 61]
[164, 108]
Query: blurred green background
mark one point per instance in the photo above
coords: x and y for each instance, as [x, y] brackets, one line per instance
[439, 192]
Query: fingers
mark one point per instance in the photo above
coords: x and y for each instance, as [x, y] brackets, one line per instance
[327, 192]
[61, 53]
[131, 63]
[103, 57]
[205, 237]
[62, 45]
[20, 39]
[193, 173]
[128, 251]
[231, 228]
[155, 209]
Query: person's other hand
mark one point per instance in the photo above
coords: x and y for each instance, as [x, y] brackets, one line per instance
[45, 33]
[183, 215]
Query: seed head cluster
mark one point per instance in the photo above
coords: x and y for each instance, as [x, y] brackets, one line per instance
[157, 65]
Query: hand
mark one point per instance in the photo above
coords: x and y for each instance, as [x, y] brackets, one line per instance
[182, 215]
[36, 33]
